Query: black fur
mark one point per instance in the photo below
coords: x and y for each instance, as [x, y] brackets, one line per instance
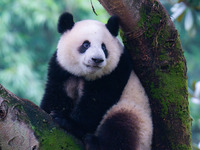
[103, 46]
[99, 95]
[113, 25]
[65, 22]
[116, 133]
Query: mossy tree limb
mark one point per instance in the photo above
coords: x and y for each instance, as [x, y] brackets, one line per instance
[150, 36]
[23, 126]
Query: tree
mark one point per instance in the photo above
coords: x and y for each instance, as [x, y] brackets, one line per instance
[150, 36]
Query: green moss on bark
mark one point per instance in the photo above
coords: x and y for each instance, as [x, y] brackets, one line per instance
[58, 140]
[171, 89]
[149, 21]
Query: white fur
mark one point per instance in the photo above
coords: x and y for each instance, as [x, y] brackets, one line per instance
[74, 88]
[135, 101]
[96, 33]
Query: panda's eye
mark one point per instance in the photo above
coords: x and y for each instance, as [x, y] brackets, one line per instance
[103, 46]
[84, 46]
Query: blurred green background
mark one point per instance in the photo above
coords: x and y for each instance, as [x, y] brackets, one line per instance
[28, 38]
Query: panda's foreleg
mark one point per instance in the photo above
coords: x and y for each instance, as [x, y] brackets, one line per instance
[55, 97]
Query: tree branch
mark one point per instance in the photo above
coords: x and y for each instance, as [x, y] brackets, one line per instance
[23, 125]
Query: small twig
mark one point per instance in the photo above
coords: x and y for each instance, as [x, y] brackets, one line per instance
[93, 8]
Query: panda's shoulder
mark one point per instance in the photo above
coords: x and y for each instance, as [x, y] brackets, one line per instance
[55, 71]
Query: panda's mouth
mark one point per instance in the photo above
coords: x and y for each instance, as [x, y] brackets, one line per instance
[93, 67]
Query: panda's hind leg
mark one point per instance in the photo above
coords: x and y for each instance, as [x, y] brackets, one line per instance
[119, 131]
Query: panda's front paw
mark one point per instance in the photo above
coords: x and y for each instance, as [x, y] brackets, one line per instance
[91, 142]
[58, 118]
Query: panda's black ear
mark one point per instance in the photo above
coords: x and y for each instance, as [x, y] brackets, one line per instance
[113, 25]
[65, 22]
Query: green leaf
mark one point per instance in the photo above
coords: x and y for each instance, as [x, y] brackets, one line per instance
[189, 20]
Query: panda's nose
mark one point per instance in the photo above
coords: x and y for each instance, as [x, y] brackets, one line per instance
[97, 60]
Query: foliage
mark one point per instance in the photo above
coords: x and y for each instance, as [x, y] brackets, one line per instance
[26, 40]
[187, 10]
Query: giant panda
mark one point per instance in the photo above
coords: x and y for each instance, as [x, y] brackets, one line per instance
[92, 91]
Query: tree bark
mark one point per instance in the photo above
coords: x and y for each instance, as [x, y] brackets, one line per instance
[150, 36]
[153, 42]
[23, 126]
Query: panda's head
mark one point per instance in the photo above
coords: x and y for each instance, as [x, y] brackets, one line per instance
[88, 48]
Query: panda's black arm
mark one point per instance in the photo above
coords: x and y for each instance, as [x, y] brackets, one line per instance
[55, 97]
[59, 106]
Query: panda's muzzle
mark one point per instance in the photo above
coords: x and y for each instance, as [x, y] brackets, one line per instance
[95, 63]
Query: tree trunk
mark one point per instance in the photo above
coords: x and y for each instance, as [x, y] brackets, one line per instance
[153, 42]
[150, 36]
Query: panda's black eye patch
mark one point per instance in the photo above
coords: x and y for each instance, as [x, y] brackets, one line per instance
[103, 46]
[84, 46]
